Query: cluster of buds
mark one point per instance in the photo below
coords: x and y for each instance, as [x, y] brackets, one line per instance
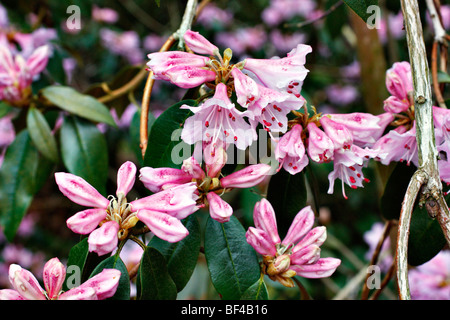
[297, 254]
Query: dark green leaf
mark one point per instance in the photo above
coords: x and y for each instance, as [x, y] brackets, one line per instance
[4, 109]
[155, 281]
[394, 191]
[361, 7]
[257, 291]
[165, 147]
[115, 262]
[425, 238]
[232, 262]
[78, 104]
[41, 134]
[181, 256]
[17, 182]
[84, 151]
[287, 194]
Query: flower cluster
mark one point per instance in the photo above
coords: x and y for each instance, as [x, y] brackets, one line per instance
[160, 212]
[297, 254]
[27, 287]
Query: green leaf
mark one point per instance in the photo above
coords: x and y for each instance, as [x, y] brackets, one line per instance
[115, 262]
[4, 109]
[165, 147]
[78, 104]
[41, 134]
[84, 151]
[426, 238]
[154, 279]
[17, 182]
[287, 194]
[360, 7]
[232, 262]
[257, 291]
[181, 256]
[394, 191]
[443, 77]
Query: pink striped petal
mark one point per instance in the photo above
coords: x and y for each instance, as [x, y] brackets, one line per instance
[219, 209]
[163, 225]
[126, 176]
[247, 177]
[316, 236]
[155, 179]
[104, 239]
[199, 44]
[306, 255]
[25, 283]
[54, 275]
[260, 241]
[79, 293]
[105, 283]
[86, 221]
[302, 223]
[79, 191]
[323, 268]
[264, 218]
[8, 294]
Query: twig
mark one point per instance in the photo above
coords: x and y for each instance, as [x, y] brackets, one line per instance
[323, 15]
[384, 283]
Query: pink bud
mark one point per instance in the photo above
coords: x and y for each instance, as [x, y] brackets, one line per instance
[264, 218]
[302, 223]
[395, 105]
[193, 168]
[260, 241]
[79, 191]
[86, 221]
[126, 176]
[104, 239]
[399, 80]
[324, 267]
[247, 177]
[163, 225]
[219, 209]
[320, 146]
[197, 43]
[155, 179]
[215, 159]
[25, 283]
[105, 283]
[54, 276]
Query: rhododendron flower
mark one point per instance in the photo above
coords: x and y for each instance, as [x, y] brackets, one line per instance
[290, 151]
[160, 212]
[27, 287]
[217, 120]
[320, 147]
[399, 80]
[17, 74]
[297, 254]
[207, 180]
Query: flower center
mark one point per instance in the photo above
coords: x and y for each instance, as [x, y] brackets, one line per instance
[120, 211]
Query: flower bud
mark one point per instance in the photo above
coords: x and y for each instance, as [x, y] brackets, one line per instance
[199, 44]
[215, 159]
[280, 265]
[219, 209]
[126, 176]
[54, 276]
[395, 105]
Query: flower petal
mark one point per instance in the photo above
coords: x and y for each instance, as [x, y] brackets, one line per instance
[54, 276]
[79, 191]
[163, 225]
[79, 293]
[126, 176]
[155, 179]
[104, 239]
[247, 177]
[219, 209]
[25, 283]
[301, 224]
[8, 294]
[260, 241]
[105, 283]
[86, 221]
[324, 267]
[264, 218]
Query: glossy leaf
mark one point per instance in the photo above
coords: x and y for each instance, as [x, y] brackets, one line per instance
[232, 262]
[360, 7]
[425, 237]
[165, 147]
[257, 291]
[78, 104]
[17, 182]
[41, 134]
[287, 194]
[181, 256]
[154, 279]
[115, 262]
[84, 151]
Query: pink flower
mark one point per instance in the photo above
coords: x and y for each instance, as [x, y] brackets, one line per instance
[27, 287]
[298, 253]
[117, 216]
[431, 280]
[17, 74]
[399, 80]
[291, 152]
[283, 74]
[106, 15]
[197, 43]
[320, 146]
[217, 120]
